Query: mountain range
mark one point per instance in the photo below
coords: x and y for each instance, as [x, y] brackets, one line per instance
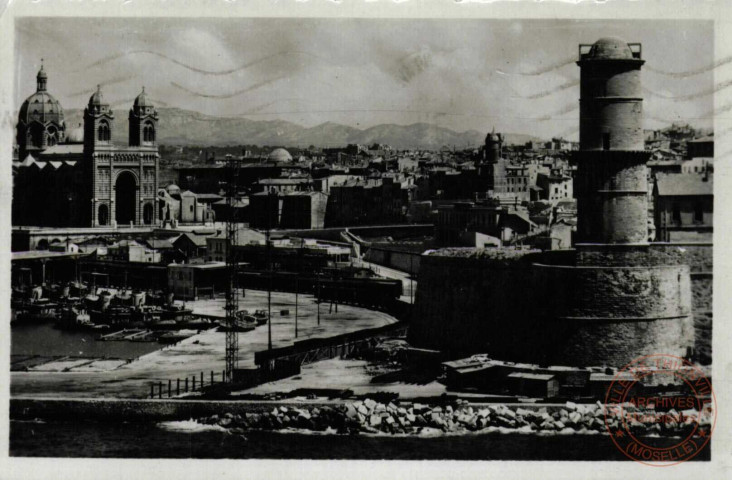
[185, 127]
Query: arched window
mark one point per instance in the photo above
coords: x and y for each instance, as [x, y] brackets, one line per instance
[51, 136]
[148, 132]
[104, 132]
[103, 214]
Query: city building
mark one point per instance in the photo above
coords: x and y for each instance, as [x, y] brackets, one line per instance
[192, 245]
[700, 147]
[82, 177]
[505, 223]
[303, 210]
[684, 207]
[292, 209]
[367, 201]
[555, 186]
[217, 245]
[192, 281]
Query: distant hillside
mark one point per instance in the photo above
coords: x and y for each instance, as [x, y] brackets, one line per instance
[184, 127]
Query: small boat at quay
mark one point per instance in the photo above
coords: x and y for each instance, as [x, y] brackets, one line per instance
[175, 337]
[240, 325]
[76, 318]
[31, 305]
[261, 317]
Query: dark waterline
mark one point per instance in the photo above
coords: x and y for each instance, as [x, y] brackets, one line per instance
[42, 338]
[148, 440]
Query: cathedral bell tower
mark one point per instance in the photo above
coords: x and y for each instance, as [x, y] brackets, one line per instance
[143, 122]
[98, 122]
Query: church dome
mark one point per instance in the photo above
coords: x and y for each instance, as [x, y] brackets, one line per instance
[41, 107]
[141, 100]
[280, 155]
[611, 48]
[173, 189]
[97, 98]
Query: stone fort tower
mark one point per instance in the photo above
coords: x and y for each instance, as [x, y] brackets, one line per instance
[612, 185]
[615, 296]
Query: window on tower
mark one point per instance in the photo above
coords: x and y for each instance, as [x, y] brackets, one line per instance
[148, 132]
[104, 134]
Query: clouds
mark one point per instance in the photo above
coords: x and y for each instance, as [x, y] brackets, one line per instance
[462, 74]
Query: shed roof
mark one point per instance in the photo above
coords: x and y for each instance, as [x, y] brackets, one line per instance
[159, 243]
[65, 149]
[197, 240]
[532, 376]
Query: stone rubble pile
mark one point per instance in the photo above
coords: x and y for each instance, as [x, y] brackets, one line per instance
[369, 416]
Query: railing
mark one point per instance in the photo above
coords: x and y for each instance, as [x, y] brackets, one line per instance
[188, 384]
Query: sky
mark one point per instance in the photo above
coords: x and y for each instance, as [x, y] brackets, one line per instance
[517, 76]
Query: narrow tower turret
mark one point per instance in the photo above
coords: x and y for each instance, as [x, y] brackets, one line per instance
[612, 185]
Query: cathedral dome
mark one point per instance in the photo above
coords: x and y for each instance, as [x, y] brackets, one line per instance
[612, 48]
[41, 107]
[280, 155]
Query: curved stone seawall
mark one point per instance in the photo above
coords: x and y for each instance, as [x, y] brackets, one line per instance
[516, 308]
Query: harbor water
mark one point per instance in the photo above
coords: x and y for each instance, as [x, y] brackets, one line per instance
[44, 339]
[190, 440]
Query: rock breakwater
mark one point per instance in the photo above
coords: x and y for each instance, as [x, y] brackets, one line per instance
[372, 417]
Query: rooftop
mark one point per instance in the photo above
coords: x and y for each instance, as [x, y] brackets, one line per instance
[40, 254]
[611, 48]
[283, 181]
[197, 240]
[531, 376]
[65, 149]
[708, 138]
[201, 266]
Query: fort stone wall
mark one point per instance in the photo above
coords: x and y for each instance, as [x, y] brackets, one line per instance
[518, 308]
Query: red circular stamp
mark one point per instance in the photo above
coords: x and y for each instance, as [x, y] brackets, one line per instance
[660, 410]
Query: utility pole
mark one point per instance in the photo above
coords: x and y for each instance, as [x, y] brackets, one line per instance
[411, 279]
[317, 280]
[269, 269]
[297, 281]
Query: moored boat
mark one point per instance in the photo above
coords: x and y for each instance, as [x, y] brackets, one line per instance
[261, 317]
[239, 326]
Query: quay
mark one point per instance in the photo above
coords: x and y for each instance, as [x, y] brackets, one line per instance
[203, 352]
